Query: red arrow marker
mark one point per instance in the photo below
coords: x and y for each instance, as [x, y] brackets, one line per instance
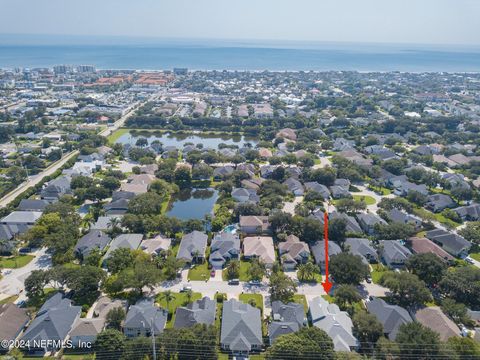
[327, 285]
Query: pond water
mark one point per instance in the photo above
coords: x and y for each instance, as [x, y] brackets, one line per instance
[193, 204]
[179, 139]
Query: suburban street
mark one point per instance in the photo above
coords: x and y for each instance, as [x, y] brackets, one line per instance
[13, 283]
[35, 179]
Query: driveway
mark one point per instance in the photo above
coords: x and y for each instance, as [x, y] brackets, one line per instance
[289, 207]
[13, 283]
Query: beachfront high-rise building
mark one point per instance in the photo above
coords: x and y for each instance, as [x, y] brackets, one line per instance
[86, 69]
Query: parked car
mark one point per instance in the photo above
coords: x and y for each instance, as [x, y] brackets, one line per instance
[233, 282]
[186, 287]
[212, 273]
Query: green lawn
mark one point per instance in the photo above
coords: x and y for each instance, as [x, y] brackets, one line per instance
[367, 199]
[380, 190]
[255, 297]
[180, 299]
[199, 272]
[377, 272]
[475, 256]
[244, 266]
[9, 300]
[112, 138]
[15, 262]
[301, 299]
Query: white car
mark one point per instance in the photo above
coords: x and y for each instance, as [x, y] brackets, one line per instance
[186, 287]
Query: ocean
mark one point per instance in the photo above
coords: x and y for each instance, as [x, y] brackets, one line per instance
[240, 55]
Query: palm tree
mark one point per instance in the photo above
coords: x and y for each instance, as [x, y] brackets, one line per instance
[189, 295]
[168, 297]
[302, 272]
[233, 269]
[114, 225]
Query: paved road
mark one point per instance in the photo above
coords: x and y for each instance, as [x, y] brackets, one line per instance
[289, 206]
[13, 283]
[35, 179]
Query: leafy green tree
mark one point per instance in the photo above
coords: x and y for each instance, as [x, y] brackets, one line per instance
[350, 206]
[120, 259]
[115, 318]
[366, 327]
[109, 343]
[93, 258]
[168, 297]
[348, 269]
[457, 311]
[346, 296]
[337, 230]
[257, 269]
[281, 287]
[145, 204]
[428, 267]
[309, 342]
[417, 341]
[406, 289]
[393, 231]
[471, 232]
[463, 285]
[35, 284]
[182, 177]
[464, 347]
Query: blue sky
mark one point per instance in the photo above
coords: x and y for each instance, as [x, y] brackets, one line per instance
[391, 21]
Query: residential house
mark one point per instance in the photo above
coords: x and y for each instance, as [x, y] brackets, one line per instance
[253, 184]
[127, 241]
[85, 330]
[286, 319]
[260, 247]
[32, 205]
[336, 323]
[368, 221]
[398, 216]
[243, 195]
[13, 320]
[53, 321]
[352, 224]
[390, 316]
[452, 243]
[294, 186]
[340, 192]
[94, 239]
[241, 331]
[117, 207]
[318, 251]
[393, 253]
[143, 318]
[137, 184]
[341, 144]
[104, 304]
[293, 252]
[56, 188]
[434, 318]
[469, 213]
[192, 247]
[423, 246]
[156, 245]
[254, 224]
[287, 133]
[104, 222]
[220, 173]
[362, 248]
[202, 311]
[224, 247]
[319, 188]
[439, 202]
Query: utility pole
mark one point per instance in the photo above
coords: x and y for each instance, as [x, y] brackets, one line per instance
[153, 338]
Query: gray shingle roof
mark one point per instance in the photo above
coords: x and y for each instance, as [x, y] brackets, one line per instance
[241, 326]
[199, 312]
[391, 316]
[54, 320]
[141, 315]
[191, 243]
[93, 239]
